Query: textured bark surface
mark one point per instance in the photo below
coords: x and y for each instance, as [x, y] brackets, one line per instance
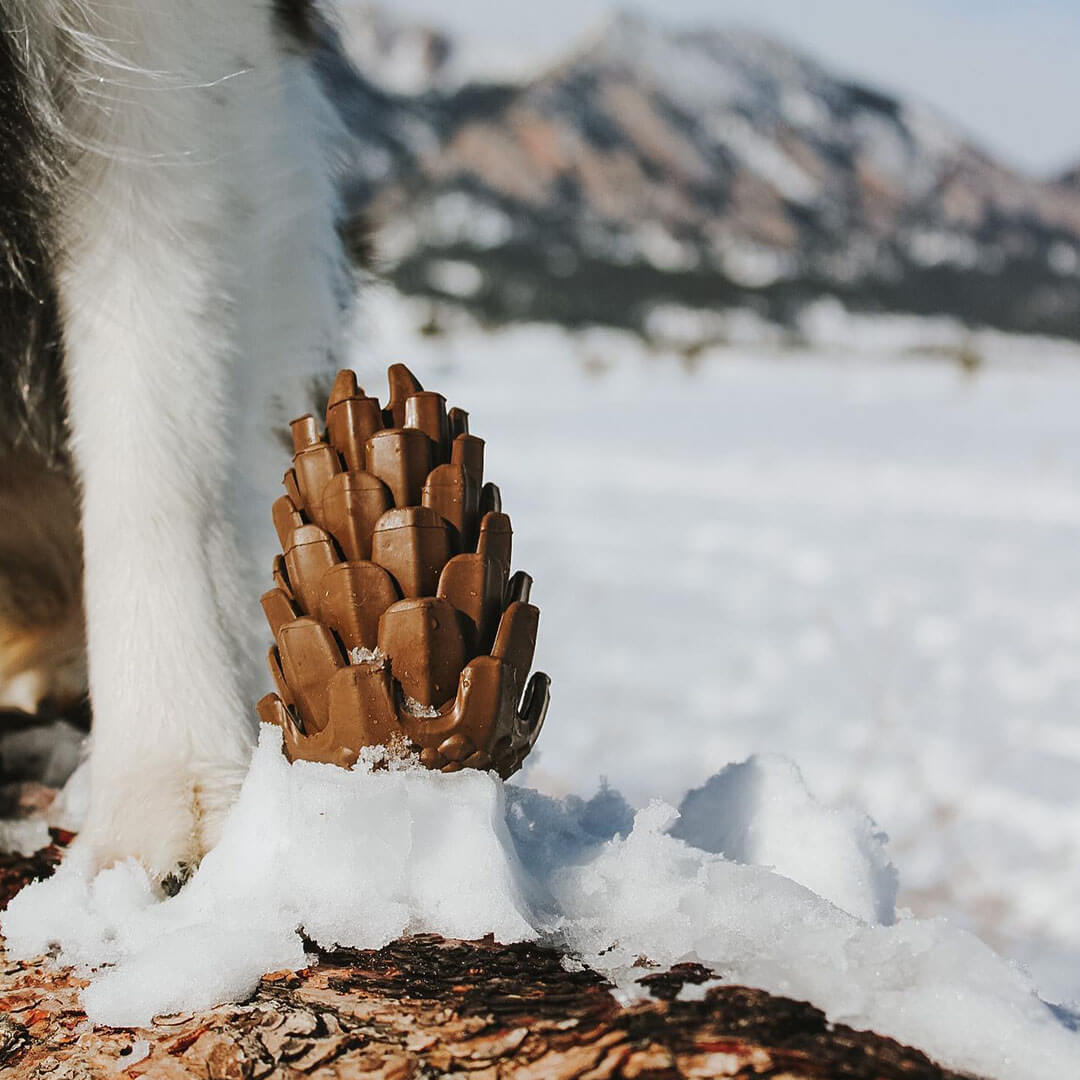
[425, 1008]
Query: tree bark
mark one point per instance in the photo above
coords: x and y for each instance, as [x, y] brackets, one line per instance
[423, 1008]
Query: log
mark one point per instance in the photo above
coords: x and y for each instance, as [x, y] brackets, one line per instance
[424, 1007]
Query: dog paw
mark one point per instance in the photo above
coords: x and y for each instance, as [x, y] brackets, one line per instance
[166, 817]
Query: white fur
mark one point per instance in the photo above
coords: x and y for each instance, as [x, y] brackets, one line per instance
[198, 250]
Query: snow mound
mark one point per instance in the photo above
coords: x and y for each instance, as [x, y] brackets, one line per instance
[359, 858]
[760, 812]
[921, 982]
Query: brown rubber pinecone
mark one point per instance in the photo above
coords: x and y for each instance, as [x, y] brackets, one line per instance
[395, 619]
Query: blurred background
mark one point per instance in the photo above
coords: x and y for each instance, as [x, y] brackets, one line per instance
[769, 312]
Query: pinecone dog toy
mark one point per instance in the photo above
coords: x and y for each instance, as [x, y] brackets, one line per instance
[395, 619]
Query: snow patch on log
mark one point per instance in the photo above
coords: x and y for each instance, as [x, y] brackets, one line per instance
[361, 858]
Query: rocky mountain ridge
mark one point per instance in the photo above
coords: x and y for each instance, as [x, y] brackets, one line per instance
[652, 167]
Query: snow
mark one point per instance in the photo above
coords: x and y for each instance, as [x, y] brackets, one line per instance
[754, 266]
[661, 249]
[403, 56]
[400, 57]
[359, 858]
[454, 278]
[935, 247]
[360, 655]
[924, 983]
[450, 219]
[764, 157]
[703, 70]
[760, 812]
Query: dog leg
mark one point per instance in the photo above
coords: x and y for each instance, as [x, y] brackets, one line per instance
[196, 242]
[146, 294]
[170, 740]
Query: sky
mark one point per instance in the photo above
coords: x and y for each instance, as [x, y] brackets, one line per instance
[1008, 72]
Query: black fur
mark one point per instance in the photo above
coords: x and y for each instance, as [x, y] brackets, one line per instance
[31, 387]
[297, 19]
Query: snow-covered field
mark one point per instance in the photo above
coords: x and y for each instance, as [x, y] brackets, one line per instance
[854, 555]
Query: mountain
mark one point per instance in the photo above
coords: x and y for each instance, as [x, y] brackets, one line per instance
[705, 168]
